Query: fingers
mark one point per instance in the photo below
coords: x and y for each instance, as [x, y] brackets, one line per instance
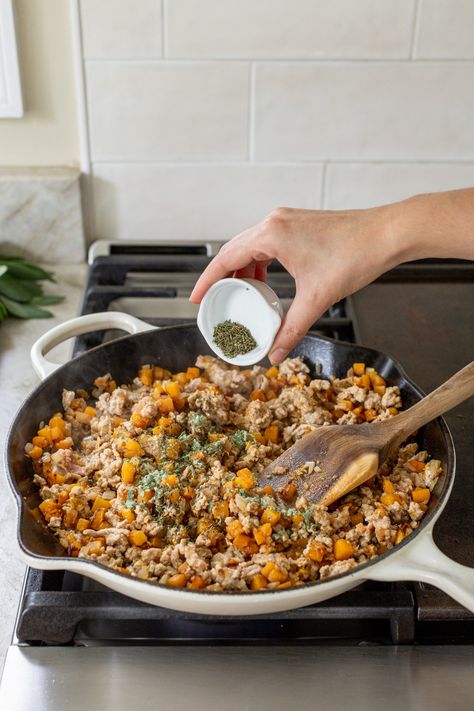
[239, 254]
[303, 312]
[247, 272]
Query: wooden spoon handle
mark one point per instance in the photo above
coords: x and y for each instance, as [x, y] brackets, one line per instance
[454, 391]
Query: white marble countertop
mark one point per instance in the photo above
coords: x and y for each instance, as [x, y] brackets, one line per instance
[17, 379]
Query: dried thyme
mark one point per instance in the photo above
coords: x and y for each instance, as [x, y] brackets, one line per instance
[233, 339]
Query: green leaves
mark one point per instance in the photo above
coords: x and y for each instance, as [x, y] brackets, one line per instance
[21, 294]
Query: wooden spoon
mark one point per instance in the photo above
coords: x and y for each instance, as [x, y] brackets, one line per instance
[345, 456]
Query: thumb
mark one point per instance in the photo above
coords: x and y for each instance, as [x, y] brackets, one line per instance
[303, 312]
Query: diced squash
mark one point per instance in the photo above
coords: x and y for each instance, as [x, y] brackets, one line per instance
[376, 379]
[101, 503]
[140, 421]
[177, 581]
[272, 433]
[420, 495]
[370, 414]
[137, 538]
[90, 411]
[173, 389]
[263, 533]
[270, 516]
[345, 405]
[388, 486]
[132, 449]
[389, 499]
[244, 479]
[258, 437]
[297, 519]
[35, 452]
[399, 537]
[181, 378]
[197, 583]
[234, 528]
[415, 465]
[188, 492]
[40, 442]
[268, 490]
[356, 518]
[127, 514]
[258, 395]
[173, 448]
[343, 549]
[57, 421]
[46, 433]
[241, 541]
[288, 491]
[175, 496]
[128, 472]
[221, 509]
[49, 508]
[364, 381]
[380, 389]
[158, 372]
[203, 524]
[273, 573]
[193, 372]
[70, 517]
[316, 552]
[97, 519]
[258, 582]
[57, 433]
[82, 524]
[393, 411]
[96, 547]
[165, 404]
[358, 368]
[146, 375]
[272, 372]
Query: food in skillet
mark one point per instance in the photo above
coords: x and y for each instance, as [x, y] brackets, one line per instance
[155, 479]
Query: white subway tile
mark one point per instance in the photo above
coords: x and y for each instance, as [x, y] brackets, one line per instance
[121, 29]
[168, 111]
[283, 29]
[446, 29]
[369, 111]
[367, 185]
[195, 202]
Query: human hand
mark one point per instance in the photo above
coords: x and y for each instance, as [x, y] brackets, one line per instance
[329, 254]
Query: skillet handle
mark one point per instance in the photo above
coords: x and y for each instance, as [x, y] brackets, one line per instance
[422, 560]
[76, 327]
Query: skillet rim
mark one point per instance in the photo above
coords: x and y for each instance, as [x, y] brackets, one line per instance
[428, 519]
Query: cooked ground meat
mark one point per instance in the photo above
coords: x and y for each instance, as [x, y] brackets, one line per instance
[156, 478]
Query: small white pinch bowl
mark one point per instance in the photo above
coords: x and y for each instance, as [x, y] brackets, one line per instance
[249, 302]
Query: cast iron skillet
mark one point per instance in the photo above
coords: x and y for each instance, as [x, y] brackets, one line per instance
[176, 347]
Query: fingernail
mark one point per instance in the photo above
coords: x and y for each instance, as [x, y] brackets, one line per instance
[277, 355]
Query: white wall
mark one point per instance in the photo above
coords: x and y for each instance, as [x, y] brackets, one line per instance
[205, 114]
[47, 133]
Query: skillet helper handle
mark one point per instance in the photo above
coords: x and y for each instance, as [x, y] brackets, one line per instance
[76, 327]
[422, 561]
[454, 391]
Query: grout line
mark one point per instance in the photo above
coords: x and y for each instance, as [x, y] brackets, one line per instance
[272, 60]
[229, 163]
[87, 196]
[322, 197]
[251, 113]
[415, 29]
[164, 34]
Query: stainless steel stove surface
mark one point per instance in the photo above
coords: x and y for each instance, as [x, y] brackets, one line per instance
[415, 637]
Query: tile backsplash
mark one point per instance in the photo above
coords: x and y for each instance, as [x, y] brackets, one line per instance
[205, 114]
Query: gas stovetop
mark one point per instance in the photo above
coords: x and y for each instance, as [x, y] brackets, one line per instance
[422, 314]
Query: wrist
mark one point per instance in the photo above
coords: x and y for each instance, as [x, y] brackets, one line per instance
[404, 225]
